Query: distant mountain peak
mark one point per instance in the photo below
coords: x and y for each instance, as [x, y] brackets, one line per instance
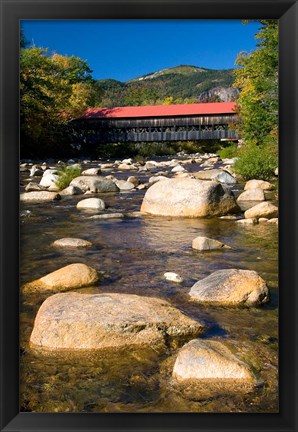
[181, 70]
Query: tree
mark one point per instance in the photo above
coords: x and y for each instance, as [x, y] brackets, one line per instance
[53, 90]
[257, 80]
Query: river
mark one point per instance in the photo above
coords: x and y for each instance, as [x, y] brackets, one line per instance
[132, 255]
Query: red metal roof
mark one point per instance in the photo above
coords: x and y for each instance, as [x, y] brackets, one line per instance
[162, 110]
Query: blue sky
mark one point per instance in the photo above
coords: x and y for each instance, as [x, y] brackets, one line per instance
[126, 49]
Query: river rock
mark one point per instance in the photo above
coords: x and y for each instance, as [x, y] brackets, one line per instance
[48, 179]
[91, 203]
[71, 242]
[264, 209]
[36, 171]
[108, 216]
[273, 221]
[155, 179]
[127, 161]
[135, 181]
[178, 169]
[249, 221]
[187, 197]
[258, 184]
[91, 171]
[207, 368]
[81, 322]
[71, 190]
[124, 185]
[215, 174]
[151, 165]
[126, 167]
[72, 276]
[173, 277]
[231, 287]
[95, 184]
[32, 187]
[252, 195]
[206, 244]
[39, 196]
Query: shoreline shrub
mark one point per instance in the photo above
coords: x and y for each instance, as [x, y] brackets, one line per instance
[66, 174]
[256, 162]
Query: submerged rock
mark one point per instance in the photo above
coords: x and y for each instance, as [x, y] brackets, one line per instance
[208, 368]
[187, 197]
[231, 287]
[69, 277]
[173, 277]
[95, 184]
[79, 322]
[71, 242]
[206, 244]
[108, 216]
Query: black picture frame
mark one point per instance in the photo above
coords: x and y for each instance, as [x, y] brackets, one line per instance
[286, 11]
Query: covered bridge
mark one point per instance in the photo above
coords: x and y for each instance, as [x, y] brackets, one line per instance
[188, 122]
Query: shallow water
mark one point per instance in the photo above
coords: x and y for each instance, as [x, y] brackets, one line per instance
[133, 254]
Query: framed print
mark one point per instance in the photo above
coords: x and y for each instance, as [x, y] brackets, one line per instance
[164, 299]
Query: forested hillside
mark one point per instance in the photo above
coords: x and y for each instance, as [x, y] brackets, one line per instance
[181, 84]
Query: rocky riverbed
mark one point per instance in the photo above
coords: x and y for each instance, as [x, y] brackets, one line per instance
[148, 287]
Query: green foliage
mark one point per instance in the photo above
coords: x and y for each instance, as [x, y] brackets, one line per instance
[156, 149]
[66, 174]
[114, 150]
[257, 79]
[229, 151]
[53, 90]
[256, 162]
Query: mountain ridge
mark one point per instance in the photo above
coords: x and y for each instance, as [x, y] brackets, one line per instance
[178, 84]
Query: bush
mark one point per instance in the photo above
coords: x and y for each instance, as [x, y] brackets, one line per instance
[228, 152]
[156, 149]
[256, 162]
[66, 174]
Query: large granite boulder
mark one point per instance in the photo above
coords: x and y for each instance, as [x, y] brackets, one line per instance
[66, 278]
[80, 322]
[187, 197]
[96, 184]
[231, 287]
[208, 368]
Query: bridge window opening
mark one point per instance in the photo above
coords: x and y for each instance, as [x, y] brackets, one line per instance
[219, 127]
